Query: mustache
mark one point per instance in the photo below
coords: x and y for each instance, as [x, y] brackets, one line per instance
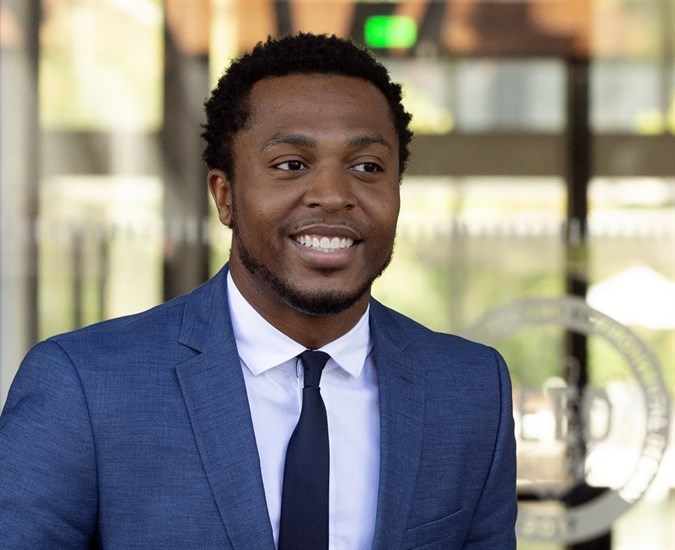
[325, 220]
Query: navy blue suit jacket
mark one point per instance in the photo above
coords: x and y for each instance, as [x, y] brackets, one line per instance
[136, 433]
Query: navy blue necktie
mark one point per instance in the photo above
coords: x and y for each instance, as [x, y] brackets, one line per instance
[304, 500]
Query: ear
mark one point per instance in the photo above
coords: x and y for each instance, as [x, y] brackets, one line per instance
[221, 191]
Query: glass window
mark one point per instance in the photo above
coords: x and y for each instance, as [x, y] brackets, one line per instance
[629, 96]
[631, 269]
[100, 245]
[465, 245]
[496, 94]
[633, 89]
[482, 95]
[100, 64]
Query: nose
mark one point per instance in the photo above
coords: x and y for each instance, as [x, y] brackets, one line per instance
[330, 189]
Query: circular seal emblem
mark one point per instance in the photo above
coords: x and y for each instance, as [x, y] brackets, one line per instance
[572, 436]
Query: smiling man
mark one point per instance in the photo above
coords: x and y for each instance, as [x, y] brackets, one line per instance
[278, 405]
[313, 200]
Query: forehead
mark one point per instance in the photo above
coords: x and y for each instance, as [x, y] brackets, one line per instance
[319, 101]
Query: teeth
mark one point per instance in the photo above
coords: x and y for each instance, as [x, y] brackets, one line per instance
[324, 244]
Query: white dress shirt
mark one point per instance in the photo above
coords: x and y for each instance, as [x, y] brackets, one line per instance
[274, 381]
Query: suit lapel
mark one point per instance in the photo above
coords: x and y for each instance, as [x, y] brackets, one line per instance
[401, 394]
[215, 396]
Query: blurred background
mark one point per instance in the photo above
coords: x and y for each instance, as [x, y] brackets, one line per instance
[538, 210]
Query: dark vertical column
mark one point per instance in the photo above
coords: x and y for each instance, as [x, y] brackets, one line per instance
[578, 176]
[282, 10]
[19, 183]
[579, 152]
[79, 276]
[186, 79]
[431, 27]
[579, 172]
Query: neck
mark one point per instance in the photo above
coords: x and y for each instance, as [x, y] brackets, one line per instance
[312, 331]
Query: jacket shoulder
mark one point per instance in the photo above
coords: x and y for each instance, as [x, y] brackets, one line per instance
[187, 319]
[400, 328]
[159, 324]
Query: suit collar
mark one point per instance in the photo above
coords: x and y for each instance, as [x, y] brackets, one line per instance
[206, 318]
[401, 395]
[215, 396]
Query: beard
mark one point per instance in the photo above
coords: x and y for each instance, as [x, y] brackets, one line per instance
[319, 303]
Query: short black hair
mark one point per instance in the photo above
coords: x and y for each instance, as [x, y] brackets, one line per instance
[227, 108]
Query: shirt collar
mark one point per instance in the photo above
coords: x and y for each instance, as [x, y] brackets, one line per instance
[348, 352]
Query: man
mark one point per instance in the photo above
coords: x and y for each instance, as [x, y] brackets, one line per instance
[171, 428]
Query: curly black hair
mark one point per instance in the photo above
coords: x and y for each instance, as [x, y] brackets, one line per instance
[228, 109]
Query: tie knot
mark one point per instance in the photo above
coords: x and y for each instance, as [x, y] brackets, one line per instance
[313, 363]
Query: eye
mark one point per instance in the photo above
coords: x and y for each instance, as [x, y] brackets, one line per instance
[291, 165]
[368, 167]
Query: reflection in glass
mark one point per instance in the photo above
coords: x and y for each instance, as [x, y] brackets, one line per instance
[100, 243]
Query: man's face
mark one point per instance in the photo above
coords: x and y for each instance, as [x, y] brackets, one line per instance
[315, 197]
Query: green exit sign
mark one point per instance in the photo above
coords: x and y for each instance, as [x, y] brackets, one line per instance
[390, 31]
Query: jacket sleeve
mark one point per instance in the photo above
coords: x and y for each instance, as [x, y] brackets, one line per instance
[48, 495]
[493, 524]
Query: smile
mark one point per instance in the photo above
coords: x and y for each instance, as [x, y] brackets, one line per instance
[324, 244]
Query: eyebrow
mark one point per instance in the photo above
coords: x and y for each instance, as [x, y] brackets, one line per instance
[360, 141]
[308, 142]
[290, 139]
